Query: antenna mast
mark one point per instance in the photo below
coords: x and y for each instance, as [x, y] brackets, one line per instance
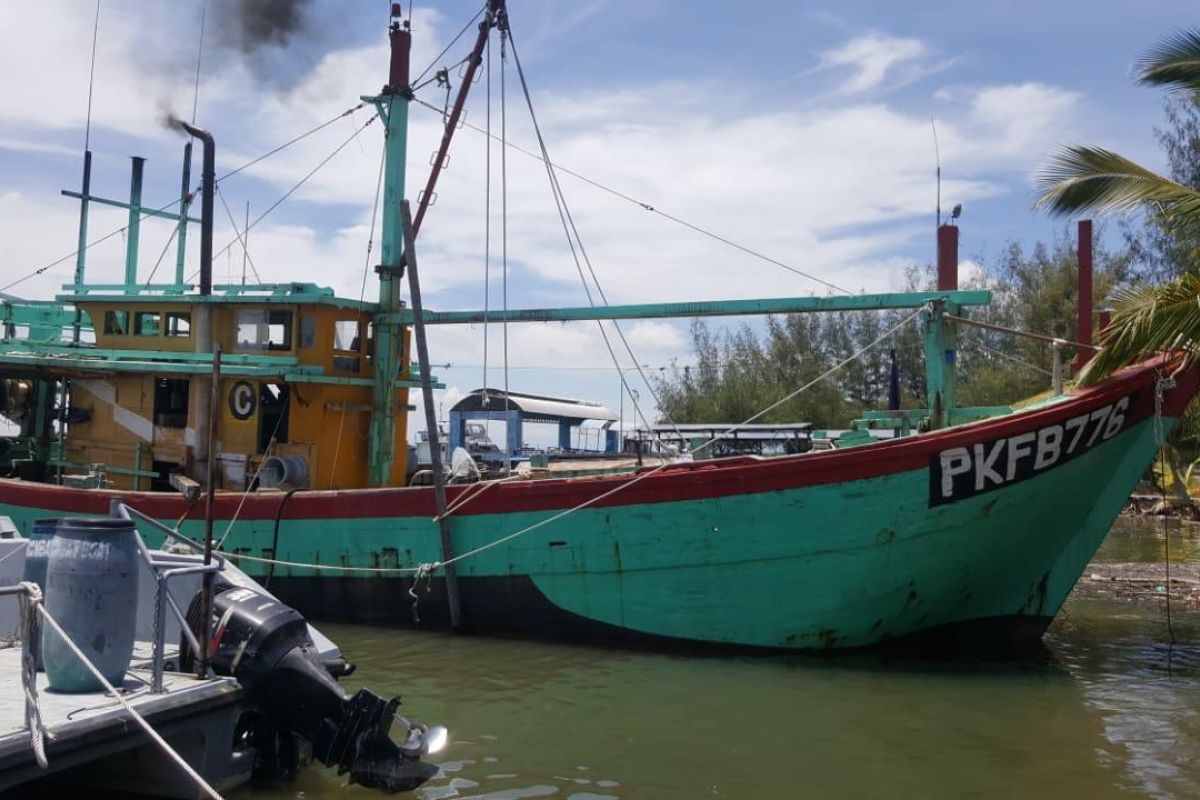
[937, 158]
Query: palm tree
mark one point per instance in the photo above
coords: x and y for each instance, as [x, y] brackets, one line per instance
[1081, 179]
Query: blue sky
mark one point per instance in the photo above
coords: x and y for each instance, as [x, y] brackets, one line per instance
[799, 129]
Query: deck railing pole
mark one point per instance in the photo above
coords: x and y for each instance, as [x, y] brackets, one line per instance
[209, 504]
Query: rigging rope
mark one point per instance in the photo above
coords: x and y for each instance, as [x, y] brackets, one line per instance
[163, 254]
[138, 718]
[253, 480]
[1018, 361]
[655, 210]
[1160, 439]
[574, 239]
[638, 477]
[300, 183]
[417, 83]
[503, 197]
[426, 568]
[487, 232]
[147, 214]
[242, 239]
[362, 292]
[293, 141]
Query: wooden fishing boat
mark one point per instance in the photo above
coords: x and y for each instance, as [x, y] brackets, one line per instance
[976, 523]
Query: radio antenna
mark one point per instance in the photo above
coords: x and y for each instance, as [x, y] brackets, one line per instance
[937, 157]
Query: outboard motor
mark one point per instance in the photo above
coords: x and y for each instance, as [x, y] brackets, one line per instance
[265, 645]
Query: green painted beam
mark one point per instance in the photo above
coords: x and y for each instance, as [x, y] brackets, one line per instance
[141, 473]
[56, 364]
[65, 350]
[144, 212]
[266, 294]
[710, 308]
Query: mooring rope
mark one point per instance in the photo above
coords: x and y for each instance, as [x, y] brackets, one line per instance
[1161, 385]
[655, 470]
[31, 599]
[34, 596]
[425, 568]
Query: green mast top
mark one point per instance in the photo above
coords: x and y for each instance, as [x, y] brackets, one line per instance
[392, 104]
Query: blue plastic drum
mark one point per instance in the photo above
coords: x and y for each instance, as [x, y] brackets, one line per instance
[91, 589]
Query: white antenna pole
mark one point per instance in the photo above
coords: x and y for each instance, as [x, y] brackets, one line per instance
[937, 157]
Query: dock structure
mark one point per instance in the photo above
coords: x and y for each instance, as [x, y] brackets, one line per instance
[708, 439]
[516, 409]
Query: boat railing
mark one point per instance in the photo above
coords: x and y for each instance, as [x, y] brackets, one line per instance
[33, 611]
[164, 572]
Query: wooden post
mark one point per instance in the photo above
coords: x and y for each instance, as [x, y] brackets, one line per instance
[947, 257]
[435, 452]
[214, 409]
[1085, 293]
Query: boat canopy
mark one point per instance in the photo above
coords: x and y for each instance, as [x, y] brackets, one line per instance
[535, 408]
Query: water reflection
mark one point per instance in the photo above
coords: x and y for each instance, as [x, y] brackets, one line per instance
[1111, 713]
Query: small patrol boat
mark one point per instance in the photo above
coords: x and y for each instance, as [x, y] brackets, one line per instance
[262, 704]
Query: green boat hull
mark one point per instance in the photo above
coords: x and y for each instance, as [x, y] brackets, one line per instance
[765, 553]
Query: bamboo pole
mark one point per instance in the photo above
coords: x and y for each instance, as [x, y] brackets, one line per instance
[435, 453]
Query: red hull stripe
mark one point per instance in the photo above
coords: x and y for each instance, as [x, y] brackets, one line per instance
[700, 480]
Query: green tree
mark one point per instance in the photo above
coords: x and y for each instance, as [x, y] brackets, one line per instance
[739, 371]
[1083, 179]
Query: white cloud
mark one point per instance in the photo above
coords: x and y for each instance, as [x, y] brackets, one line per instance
[835, 191]
[872, 58]
[1023, 120]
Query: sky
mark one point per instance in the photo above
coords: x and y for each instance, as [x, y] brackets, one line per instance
[802, 131]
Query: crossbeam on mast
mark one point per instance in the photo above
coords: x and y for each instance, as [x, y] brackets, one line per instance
[706, 308]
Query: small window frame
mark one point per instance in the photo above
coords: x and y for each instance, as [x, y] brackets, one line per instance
[171, 328]
[139, 323]
[116, 323]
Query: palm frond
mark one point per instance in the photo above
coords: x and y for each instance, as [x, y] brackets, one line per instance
[1082, 179]
[1174, 62]
[1148, 320]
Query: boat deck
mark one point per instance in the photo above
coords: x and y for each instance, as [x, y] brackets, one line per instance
[84, 727]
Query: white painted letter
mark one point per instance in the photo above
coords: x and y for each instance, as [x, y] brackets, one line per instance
[1019, 446]
[1116, 420]
[1100, 415]
[955, 461]
[1079, 424]
[1049, 446]
[983, 466]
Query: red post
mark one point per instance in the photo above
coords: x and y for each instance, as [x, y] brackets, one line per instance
[1085, 292]
[947, 258]
[1105, 319]
[400, 41]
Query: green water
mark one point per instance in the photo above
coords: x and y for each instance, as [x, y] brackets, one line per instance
[1111, 711]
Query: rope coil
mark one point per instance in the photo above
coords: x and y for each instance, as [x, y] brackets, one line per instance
[31, 631]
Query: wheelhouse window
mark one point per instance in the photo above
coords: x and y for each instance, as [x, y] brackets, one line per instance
[171, 402]
[179, 323]
[146, 323]
[347, 343]
[116, 323]
[264, 329]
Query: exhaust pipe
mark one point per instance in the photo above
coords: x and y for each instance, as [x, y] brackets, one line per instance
[208, 186]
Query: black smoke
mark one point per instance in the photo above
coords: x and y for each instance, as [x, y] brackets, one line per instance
[249, 26]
